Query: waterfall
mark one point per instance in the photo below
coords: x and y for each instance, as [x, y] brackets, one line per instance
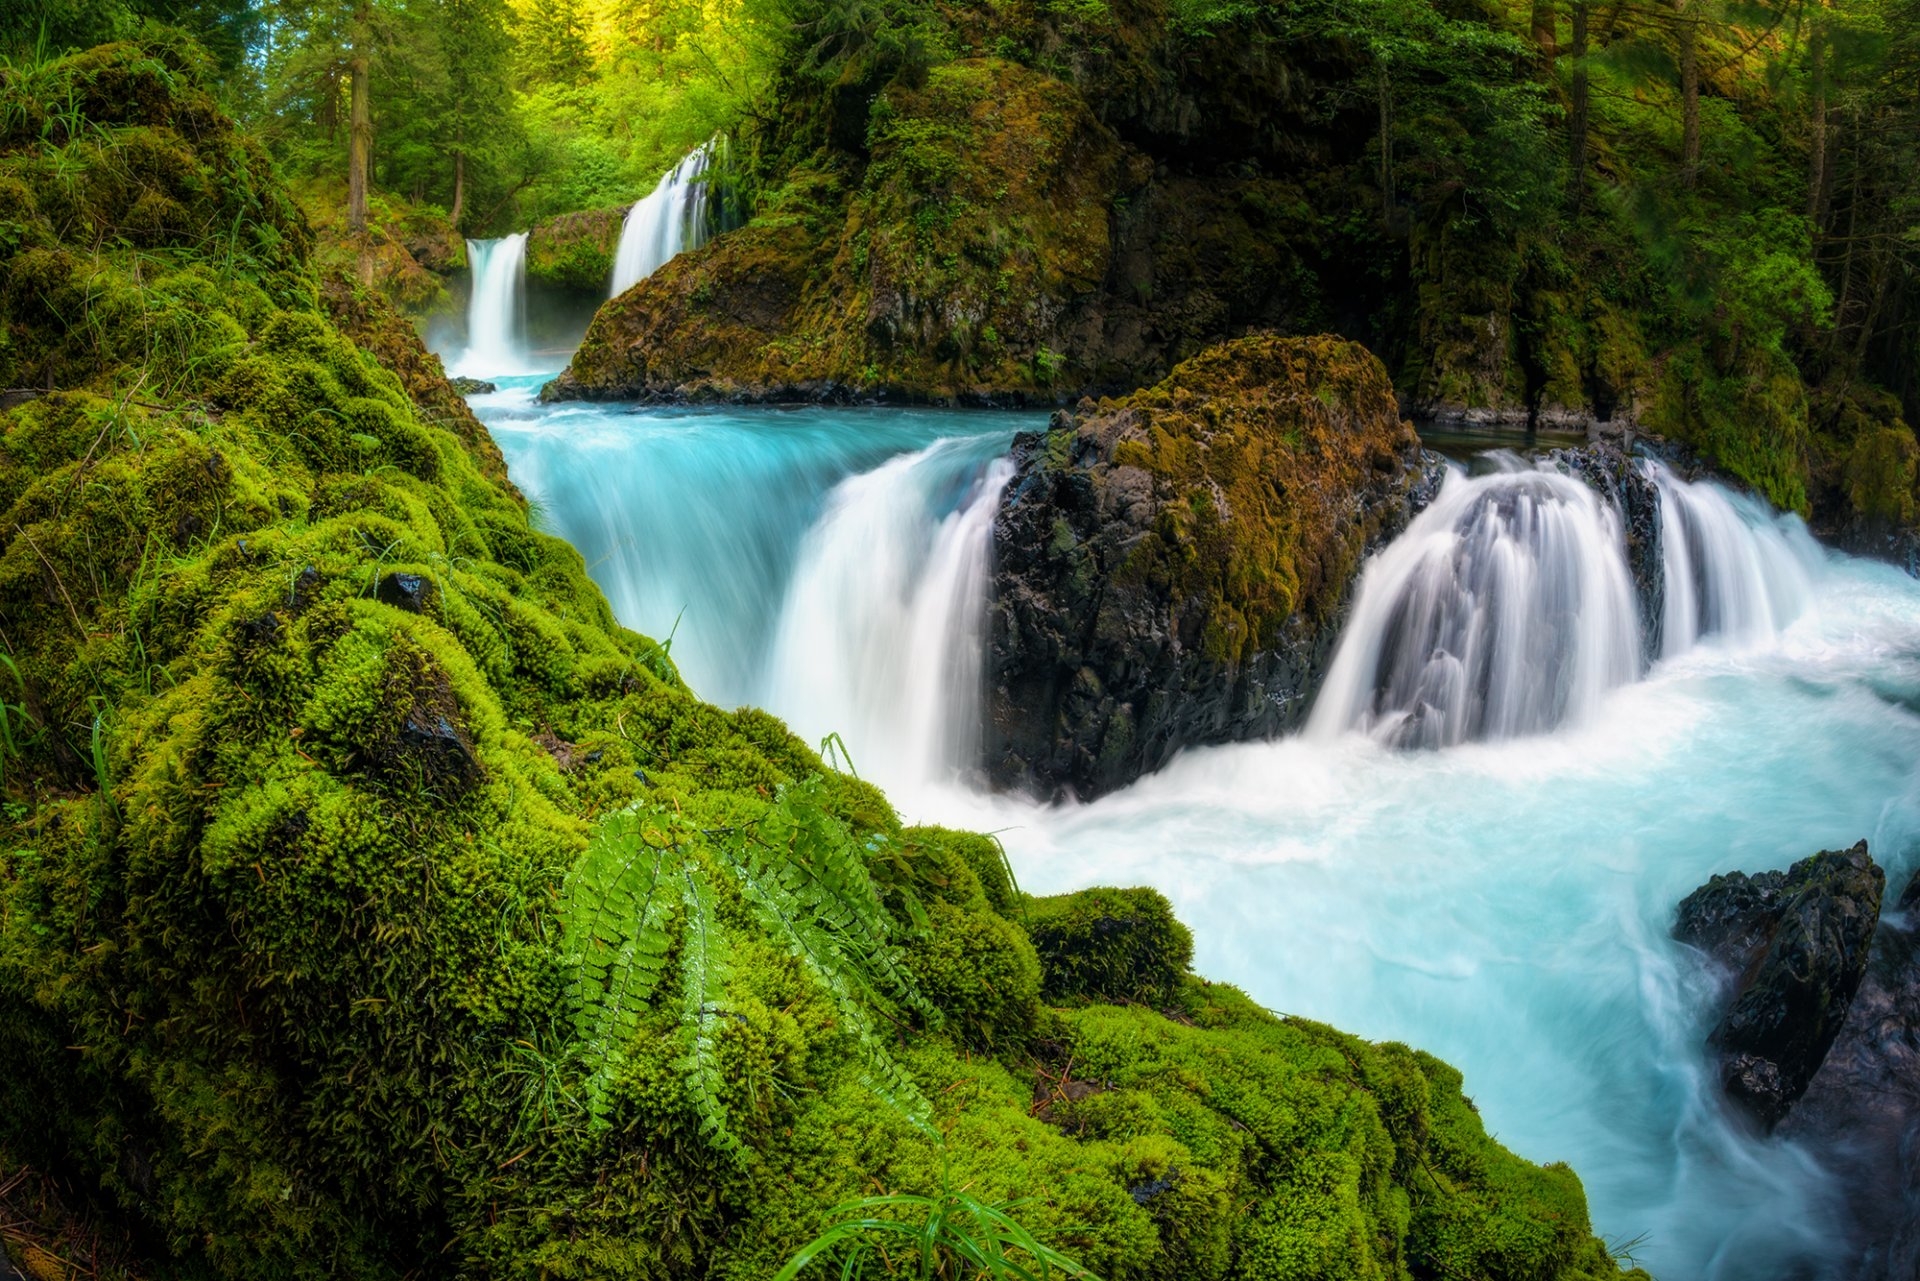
[674, 217]
[496, 322]
[881, 634]
[1730, 571]
[1504, 609]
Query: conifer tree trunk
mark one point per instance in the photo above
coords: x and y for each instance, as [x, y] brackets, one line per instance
[1689, 35]
[459, 187]
[1546, 35]
[1578, 109]
[1817, 160]
[360, 119]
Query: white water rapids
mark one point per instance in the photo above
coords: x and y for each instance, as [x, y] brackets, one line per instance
[1502, 900]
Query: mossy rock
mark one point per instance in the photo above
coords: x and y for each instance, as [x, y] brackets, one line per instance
[576, 250]
[1172, 565]
[1118, 946]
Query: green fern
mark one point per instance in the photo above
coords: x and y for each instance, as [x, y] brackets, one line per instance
[703, 981]
[802, 874]
[617, 910]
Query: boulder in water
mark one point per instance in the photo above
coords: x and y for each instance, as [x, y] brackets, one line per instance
[1171, 568]
[1798, 943]
[1861, 1112]
[473, 386]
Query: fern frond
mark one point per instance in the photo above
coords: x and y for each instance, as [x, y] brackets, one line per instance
[616, 909]
[703, 985]
[821, 955]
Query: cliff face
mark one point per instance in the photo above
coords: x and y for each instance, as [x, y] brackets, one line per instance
[1171, 567]
[575, 251]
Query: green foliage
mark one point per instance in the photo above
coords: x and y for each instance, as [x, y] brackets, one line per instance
[929, 1233]
[799, 870]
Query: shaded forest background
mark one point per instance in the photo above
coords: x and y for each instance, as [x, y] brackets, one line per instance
[1742, 177]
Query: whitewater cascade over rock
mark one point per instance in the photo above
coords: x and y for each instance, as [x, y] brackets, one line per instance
[830, 568]
[1403, 892]
[673, 218]
[1507, 607]
[1504, 609]
[1727, 570]
[496, 313]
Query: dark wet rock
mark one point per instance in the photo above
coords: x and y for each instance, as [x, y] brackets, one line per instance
[1620, 478]
[412, 592]
[306, 589]
[473, 386]
[1147, 1191]
[1171, 569]
[1861, 1113]
[439, 744]
[1797, 947]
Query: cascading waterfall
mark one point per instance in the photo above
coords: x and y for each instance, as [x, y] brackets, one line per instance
[1504, 609]
[880, 636]
[1507, 608]
[673, 218]
[1729, 570]
[830, 566]
[496, 324]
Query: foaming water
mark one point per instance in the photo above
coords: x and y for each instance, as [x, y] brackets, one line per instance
[829, 565]
[1503, 904]
[496, 320]
[671, 219]
[1505, 609]
[1732, 572]
[880, 635]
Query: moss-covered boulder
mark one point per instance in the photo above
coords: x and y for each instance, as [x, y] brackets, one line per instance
[373, 905]
[1171, 567]
[1109, 945]
[575, 251]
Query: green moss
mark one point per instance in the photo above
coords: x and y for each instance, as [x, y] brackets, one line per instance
[1109, 945]
[575, 251]
[1254, 448]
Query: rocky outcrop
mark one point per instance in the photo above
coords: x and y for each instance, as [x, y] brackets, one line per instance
[1822, 1038]
[948, 266]
[1617, 476]
[575, 251]
[1797, 942]
[1171, 568]
[1861, 1112]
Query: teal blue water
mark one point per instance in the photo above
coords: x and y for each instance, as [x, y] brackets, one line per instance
[1505, 905]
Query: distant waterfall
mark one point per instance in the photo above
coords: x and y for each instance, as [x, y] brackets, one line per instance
[880, 636]
[1729, 571]
[1505, 609]
[675, 217]
[496, 322]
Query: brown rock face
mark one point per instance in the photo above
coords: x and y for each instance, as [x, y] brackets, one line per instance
[1171, 568]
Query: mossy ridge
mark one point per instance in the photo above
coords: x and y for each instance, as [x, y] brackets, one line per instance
[323, 724]
[940, 270]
